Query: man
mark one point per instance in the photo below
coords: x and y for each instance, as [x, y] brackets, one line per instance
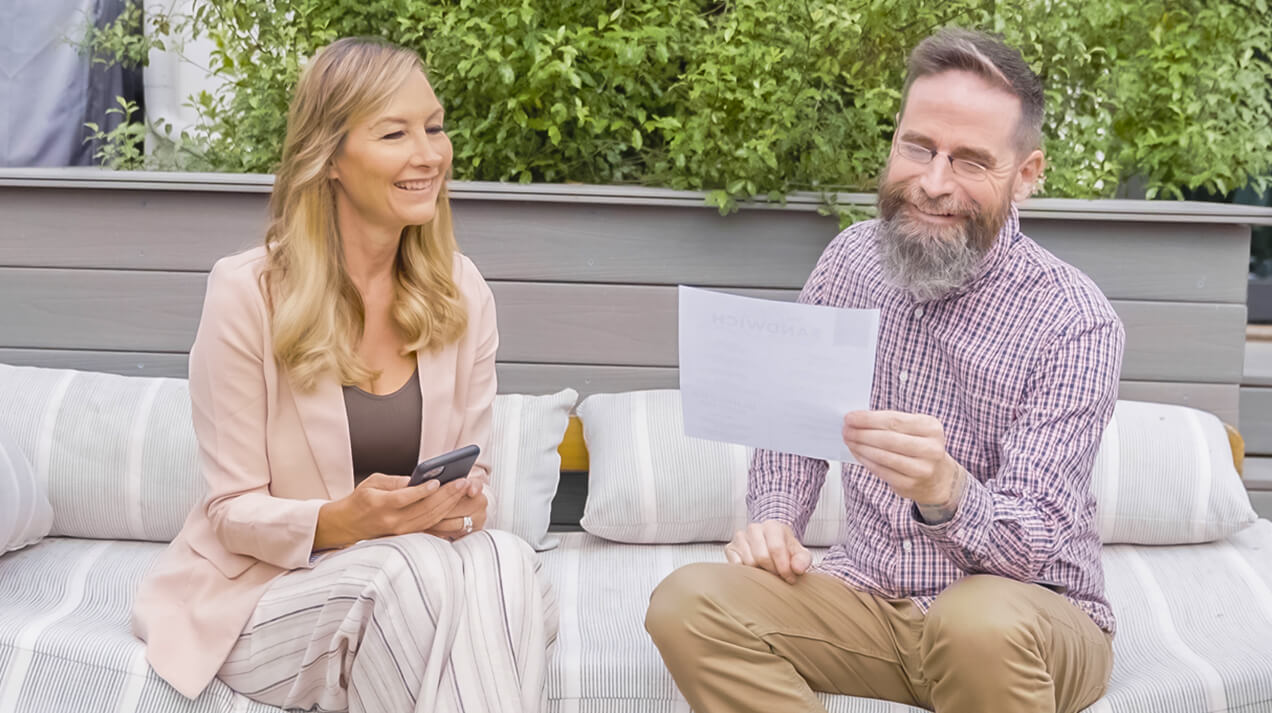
[971, 579]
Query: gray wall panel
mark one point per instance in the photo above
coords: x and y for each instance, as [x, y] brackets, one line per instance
[1256, 419]
[1258, 363]
[1153, 261]
[1258, 474]
[128, 229]
[539, 322]
[584, 242]
[1176, 341]
[1262, 501]
[125, 363]
[636, 325]
[1219, 399]
[100, 309]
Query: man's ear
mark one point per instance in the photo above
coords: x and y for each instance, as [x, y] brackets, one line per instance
[1029, 176]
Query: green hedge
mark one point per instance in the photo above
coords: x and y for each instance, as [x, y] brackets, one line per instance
[762, 97]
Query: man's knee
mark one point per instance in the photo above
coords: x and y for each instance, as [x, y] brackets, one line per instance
[683, 596]
[981, 616]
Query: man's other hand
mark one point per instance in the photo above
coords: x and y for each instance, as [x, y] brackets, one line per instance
[771, 546]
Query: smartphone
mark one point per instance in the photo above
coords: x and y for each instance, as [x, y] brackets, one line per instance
[446, 467]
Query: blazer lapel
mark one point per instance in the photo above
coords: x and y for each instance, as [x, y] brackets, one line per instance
[427, 385]
[326, 424]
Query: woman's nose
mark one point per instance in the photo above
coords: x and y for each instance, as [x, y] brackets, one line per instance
[425, 151]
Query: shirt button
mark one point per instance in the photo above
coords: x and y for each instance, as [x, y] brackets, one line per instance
[918, 311]
[905, 545]
[904, 376]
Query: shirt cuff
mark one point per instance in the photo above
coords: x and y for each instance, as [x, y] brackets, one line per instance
[963, 536]
[781, 506]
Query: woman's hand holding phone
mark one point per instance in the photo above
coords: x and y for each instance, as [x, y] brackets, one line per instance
[472, 505]
[385, 505]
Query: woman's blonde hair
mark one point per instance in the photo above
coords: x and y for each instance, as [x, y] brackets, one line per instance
[316, 313]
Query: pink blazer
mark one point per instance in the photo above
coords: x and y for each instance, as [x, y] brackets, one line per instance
[272, 455]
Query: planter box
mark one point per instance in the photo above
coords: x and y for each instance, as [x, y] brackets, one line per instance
[106, 271]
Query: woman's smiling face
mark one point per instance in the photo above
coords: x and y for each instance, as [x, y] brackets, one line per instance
[391, 165]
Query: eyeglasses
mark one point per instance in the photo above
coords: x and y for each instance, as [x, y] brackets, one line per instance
[962, 167]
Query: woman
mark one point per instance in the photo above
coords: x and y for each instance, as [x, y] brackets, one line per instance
[356, 342]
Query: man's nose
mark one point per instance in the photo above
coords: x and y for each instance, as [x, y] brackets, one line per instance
[937, 178]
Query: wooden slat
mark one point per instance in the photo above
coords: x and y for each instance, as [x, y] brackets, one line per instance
[100, 309]
[1073, 208]
[588, 379]
[1258, 363]
[126, 363]
[634, 325]
[1258, 474]
[1189, 262]
[1262, 502]
[539, 322]
[1256, 419]
[130, 229]
[634, 244]
[1218, 399]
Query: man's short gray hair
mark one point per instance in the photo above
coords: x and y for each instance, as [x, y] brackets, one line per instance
[993, 60]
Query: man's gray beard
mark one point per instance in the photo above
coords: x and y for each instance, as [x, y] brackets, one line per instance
[927, 262]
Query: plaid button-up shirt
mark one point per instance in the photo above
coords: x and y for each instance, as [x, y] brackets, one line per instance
[1021, 367]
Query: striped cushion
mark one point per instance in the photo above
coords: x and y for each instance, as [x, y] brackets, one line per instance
[1163, 475]
[117, 453]
[648, 482]
[25, 514]
[119, 459]
[65, 643]
[1195, 622]
[525, 462]
[1194, 627]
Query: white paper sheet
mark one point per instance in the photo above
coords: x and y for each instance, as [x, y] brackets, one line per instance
[775, 375]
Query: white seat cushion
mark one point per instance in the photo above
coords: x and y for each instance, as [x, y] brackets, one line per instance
[120, 457]
[65, 643]
[1195, 629]
[1163, 475]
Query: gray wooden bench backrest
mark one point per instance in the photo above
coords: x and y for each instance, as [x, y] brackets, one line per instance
[106, 271]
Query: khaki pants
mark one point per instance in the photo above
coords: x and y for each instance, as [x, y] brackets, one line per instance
[740, 639]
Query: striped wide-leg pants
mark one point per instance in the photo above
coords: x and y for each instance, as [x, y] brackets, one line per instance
[402, 624]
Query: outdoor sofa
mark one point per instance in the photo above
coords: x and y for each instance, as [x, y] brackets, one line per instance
[118, 456]
[105, 273]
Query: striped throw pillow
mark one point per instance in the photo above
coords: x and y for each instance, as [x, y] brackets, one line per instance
[119, 457]
[117, 453]
[25, 514]
[525, 463]
[648, 482]
[1163, 475]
